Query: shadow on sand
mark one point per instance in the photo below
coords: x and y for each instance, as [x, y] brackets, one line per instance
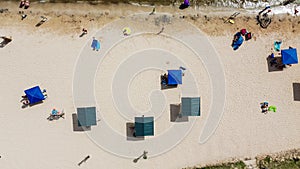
[175, 115]
[76, 127]
[130, 133]
[296, 91]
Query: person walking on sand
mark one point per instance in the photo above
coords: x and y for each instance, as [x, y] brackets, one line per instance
[22, 4]
[26, 4]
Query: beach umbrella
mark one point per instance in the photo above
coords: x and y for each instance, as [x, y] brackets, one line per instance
[289, 56]
[126, 31]
[144, 126]
[186, 2]
[34, 95]
[174, 77]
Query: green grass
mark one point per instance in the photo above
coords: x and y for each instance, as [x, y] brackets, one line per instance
[236, 165]
[269, 163]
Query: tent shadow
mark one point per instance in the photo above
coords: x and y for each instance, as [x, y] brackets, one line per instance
[296, 91]
[76, 127]
[274, 64]
[175, 115]
[30, 105]
[165, 87]
[130, 133]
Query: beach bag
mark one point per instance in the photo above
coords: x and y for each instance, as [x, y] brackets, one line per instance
[243, 31]
[248, 36]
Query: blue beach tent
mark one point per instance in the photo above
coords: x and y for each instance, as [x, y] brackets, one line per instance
[289, 56]
[174, 77]
[144, 126]
[34, 95]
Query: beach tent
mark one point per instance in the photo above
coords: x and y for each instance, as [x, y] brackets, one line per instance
[238, 41]
[34, 95]
[144, 126]
[190, 106]
[174, 77]
[289, 56]
[86, 116]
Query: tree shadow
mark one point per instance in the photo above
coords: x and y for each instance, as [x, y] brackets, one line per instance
[296, 91]
[175, 115]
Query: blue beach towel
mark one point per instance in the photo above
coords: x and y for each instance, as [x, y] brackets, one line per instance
[239, 41]
[277, 45]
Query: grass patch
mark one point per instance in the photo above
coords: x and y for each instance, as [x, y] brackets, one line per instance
[270, 163]
[230, 165]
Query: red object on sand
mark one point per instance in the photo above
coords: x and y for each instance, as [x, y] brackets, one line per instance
[243, 31]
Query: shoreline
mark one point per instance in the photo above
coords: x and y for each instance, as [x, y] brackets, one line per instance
[209, 20]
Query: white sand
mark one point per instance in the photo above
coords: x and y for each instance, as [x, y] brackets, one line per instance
[28, 140]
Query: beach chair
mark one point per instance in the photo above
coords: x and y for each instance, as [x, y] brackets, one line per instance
[232, 17]
[55, 115]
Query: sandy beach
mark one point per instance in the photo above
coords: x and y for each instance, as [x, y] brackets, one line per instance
[51, 54]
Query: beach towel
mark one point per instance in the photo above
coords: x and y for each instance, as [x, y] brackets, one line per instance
[277, 45]
[97, 45]
[94, 43]
[272, 108]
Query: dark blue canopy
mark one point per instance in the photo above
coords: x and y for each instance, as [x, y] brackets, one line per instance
[289, 56]
[174, 77]
[34, 95]
[86, 116]
[144, 126]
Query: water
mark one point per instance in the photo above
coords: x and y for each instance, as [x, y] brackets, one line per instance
[252, 6]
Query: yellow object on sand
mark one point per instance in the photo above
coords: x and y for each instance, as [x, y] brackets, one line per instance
[126, 31]
[231, 21]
